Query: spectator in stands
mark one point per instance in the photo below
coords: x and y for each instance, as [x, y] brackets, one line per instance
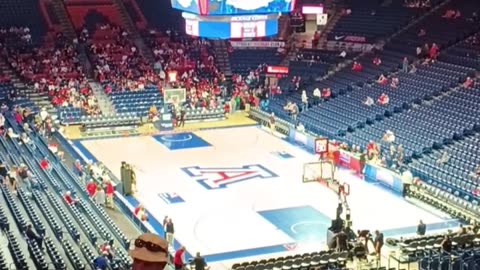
[77, 166]
[419, 51]
[91, 188]
[271, 122]
[446, 244]
[405, 65]
[382, 80]
[3, 173]
[69, 198]
[25, 176]
[433, 52]
[369, 101]
[388, 136]
[413, 69]
[317, 96]
[292, 109]
[170, 230]
[421, 33]
[140, 213]
[421, 228]
[200, 263]
[357, 66]
[304, 98]
[449, 14]
[461, 230]
[326, 93]
[2, 123]
[101, 262]
[372, 149]
[377, 61]
[300, 127]
[44, 164]
[445, 157]
[468, 82]
[109, 191]
[378, 243]
[12, 178]
[26, 140]
[394, 83]
[384, 99]
[99, 196]
[32, 236]
[12, 135]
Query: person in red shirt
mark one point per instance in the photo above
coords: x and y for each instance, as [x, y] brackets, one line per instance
[44, 164]
[140, 213]
[326, 93]
[91, 188]
[468, 82]
[109, 190]
[357, 66]
[178, 258]
[433, 51]
[383, 99]
[69, 198]
[382, 80]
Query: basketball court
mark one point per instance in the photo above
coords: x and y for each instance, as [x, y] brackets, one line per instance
[238, 192]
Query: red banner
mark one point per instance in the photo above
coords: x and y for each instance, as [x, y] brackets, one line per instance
[277, 70]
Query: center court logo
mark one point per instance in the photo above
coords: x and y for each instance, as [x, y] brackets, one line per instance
[216, 178]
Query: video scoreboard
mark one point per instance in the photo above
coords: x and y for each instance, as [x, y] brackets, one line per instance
[225, 27]
[233, 7]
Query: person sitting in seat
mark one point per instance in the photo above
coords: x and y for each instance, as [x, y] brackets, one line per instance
[382, 80]
[388, 136]
[357, 66]
[69, 198]
[377, 61]
[140, 213]
[383, 99]
[458, 14]
[369, 101]
[421, 33]
[443, 159]
[101, 262]
[326, 93]
[91, 188]
[468, 82]
[449, 14]
[394, 83]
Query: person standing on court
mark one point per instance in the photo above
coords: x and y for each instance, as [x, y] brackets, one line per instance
[178, 261]
[342, 241]
[378, 243]
[170, 230]
[181, 123]
[421, 228]
[199, 262]
[165, 221]
[271, 122]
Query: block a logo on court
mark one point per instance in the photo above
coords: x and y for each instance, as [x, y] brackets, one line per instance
[171, 197]
[216, 178]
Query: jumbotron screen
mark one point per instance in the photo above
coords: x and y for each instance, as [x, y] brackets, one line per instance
[233, 7]
[225, 27]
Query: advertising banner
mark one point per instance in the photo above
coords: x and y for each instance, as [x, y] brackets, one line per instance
[257, 44]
